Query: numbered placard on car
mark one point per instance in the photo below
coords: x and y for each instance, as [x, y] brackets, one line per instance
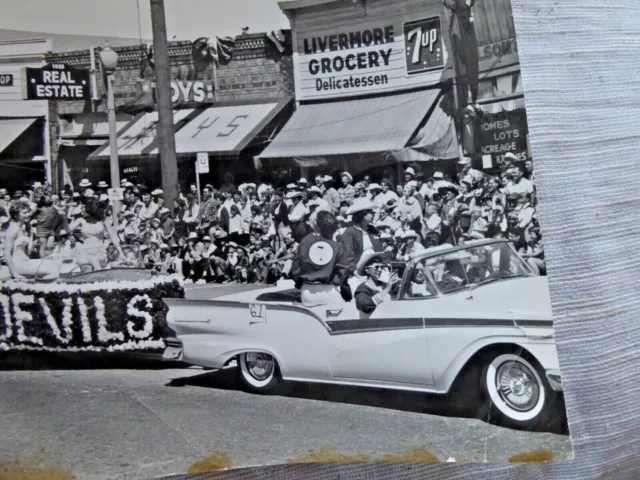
[258, 313]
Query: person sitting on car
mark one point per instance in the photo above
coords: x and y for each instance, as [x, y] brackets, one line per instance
[319, 267]
[378, 284]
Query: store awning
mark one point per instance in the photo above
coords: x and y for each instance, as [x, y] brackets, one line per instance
[11, 129]
[353, 126]
[140, 137]
[436, 140]
[91, 129]
[227, 129]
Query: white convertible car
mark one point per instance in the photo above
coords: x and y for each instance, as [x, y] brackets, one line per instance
[474, 319]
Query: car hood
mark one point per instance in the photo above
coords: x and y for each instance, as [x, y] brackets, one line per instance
[516, 298]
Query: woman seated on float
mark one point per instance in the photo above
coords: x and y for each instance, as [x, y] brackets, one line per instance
[16, 255]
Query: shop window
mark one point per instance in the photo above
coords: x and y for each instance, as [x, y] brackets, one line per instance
[504, 86]
[517, 82]
[485, 89]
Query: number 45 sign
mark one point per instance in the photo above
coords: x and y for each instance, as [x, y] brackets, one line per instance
[424, 45]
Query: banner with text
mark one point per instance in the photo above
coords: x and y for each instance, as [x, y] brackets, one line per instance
[102, 316]
[370, 55]
[504, 132]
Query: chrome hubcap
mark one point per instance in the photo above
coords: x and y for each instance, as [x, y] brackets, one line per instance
[517, 386]
[259, 365]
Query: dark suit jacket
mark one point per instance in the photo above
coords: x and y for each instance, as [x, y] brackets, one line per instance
[352, 241]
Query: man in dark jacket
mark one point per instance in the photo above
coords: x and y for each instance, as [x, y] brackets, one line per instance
[319, 268]
[362, 235]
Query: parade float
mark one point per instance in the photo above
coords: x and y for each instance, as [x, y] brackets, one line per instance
[113, 310]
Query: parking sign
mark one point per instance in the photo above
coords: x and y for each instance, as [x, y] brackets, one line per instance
[203, 162]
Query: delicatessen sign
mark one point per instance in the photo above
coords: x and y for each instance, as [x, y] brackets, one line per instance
[85, 317]
[56, 82]
[362, 58]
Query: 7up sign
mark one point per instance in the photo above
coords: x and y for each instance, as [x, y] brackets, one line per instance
[424, 48]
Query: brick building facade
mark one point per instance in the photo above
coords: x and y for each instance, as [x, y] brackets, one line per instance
[257, 72]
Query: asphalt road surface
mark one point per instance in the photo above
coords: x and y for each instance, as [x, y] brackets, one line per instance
[130, 418]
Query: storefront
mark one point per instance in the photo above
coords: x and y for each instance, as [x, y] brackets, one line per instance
[23, 127]
[223, 109]
[373, 84]
[502, 127]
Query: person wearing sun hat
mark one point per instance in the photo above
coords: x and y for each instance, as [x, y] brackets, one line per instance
[84, 184]
[297, 215]
[331, 195]
[409, 175]
[347, 192]
[375, 268]
[361, 235]
[410, 246]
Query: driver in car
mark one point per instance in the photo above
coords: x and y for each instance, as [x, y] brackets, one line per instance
[378, 284]
[420, 287]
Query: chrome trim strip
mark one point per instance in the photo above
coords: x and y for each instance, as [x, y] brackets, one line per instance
[366, 325]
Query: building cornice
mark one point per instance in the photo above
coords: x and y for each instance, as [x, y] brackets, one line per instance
[248, 46]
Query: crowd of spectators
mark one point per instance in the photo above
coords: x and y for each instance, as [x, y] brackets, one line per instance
[249, 233]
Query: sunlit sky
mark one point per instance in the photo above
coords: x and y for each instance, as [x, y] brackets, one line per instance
[186, 19]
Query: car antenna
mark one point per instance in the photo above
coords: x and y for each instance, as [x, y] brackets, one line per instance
[466, 277]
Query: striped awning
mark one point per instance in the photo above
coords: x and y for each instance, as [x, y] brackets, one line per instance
[11, 129]
[366, 125]
[89, 129]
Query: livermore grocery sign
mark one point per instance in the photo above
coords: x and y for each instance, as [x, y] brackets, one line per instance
[368, 55]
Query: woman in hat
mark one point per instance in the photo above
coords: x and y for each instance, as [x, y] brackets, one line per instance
[347, 192]
[410, 246]
[379, 283]
[315, 194]
[361, 235]
[331, 195]
[297, 216]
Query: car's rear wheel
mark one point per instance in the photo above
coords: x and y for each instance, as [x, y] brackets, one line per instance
[259, 372]
[516, 390]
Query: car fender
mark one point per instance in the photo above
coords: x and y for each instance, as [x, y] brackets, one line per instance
[543, 350]
[204, 350]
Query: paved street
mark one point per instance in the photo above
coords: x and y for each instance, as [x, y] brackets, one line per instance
[135, 419]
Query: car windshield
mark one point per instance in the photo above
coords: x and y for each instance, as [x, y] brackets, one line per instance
[469, 267]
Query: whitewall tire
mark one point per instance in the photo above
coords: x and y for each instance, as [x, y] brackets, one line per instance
[259, 372]
[516, 391]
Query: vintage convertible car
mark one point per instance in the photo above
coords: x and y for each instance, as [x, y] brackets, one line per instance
[473, 318]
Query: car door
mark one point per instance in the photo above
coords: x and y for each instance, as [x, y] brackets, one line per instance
[387, 346]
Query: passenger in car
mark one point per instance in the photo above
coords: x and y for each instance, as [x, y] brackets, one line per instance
[378, 284]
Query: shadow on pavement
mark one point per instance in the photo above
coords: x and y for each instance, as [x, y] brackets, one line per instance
[84, 361]
[442, 405]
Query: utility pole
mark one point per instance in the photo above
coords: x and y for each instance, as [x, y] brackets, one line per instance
[165, 128]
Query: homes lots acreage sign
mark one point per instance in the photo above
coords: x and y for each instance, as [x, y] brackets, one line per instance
[370, 55]
[504, 132]
[56, 82]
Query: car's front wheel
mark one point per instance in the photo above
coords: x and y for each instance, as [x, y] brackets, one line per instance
[259, 372]
[516, 391]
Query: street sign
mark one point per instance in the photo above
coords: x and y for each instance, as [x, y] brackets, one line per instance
[203, 162]
[116, 194]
